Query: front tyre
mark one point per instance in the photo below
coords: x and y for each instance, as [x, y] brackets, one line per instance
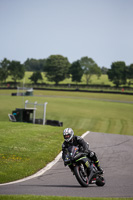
[81, 178]
[100, 181]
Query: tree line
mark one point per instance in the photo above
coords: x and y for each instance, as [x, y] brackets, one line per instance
[57, 68]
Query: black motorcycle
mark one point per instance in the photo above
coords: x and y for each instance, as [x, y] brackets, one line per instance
[83, 168]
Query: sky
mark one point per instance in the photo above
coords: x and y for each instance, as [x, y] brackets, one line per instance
[99, 29]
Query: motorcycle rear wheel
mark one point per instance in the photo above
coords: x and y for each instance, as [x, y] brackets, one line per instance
[83, 181]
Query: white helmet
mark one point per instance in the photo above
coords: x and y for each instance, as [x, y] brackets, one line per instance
[68, 134]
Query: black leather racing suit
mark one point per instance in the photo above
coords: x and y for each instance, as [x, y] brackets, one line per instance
[83, 146]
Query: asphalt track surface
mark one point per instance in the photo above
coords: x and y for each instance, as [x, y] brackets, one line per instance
[116, 157]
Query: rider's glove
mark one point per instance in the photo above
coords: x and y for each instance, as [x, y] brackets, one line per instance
[66, 161]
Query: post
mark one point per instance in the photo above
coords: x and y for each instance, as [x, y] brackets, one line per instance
[26, 103]
[34, 113]
[44, 113]
[17, 90]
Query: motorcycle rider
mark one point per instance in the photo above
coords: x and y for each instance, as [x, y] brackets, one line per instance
[71, 140]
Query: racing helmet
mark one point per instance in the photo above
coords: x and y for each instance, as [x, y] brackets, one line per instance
[68, 134]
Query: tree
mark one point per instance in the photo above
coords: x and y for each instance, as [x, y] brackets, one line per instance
[130, 73]
[4, 69]
[16, 70]
[104, 70]
[34, 65]
[56, 68]
[35, 77]
[118, 73]
[90, 68]
[76, 71]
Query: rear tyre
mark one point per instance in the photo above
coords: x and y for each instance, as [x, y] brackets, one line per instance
[100, 181]
[83, 180]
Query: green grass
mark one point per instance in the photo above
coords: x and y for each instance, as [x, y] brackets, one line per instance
[24, 147]
[31, 197]
[94, 80]
[102, 80]
[79, 111]
[82, 95]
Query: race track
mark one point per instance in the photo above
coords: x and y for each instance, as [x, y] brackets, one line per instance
[115, 153]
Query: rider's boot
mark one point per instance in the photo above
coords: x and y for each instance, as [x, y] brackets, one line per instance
[98, 167]
[93, 157]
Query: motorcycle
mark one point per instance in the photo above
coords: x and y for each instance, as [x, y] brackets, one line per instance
[83, 168]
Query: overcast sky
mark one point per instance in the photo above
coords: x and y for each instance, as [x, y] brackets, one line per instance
[100, 29]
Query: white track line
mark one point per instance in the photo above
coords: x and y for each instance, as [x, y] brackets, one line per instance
[42, 171]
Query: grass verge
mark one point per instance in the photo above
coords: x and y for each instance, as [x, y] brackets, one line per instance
[26, 148]
[31, 197]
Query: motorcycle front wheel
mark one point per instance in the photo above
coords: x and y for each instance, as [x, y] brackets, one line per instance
[100, 181]
[81, 178]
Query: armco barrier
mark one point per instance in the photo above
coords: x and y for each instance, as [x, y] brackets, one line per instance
[77, 90]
